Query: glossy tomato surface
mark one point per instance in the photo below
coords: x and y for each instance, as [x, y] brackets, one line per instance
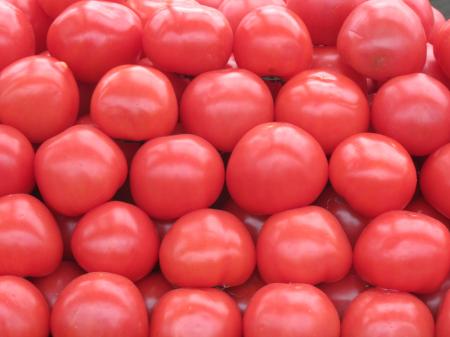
[443, 318]
[147, 8]
[152, 288]
[439, 20]
[432, 67]
[424, 11]
[420, 205]
[442, 48]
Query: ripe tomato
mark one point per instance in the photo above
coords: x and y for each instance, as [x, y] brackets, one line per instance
[210, 3]
[424, 11]
[434, 300]
[381, 313]
[280, 309]
[176, 38]
[171, 176]
[38, 96]
[213, 243]
[54, 8]
[442, 47]
[134, 103]
[152, 288]
[24, 310]
[92, 173]
[420, 205]
[304, 245]
[147, 8]
[275, 167]
[439, 20]
[363, 44]
[235, 98]
[66, 227]
[116, 237]
[117, 38]
[261, 39]
[243, 294]
[432, 67]
[373, 173]
[332, 106]
[196, 312]
[30, 242]
[443, 318]
[100, 304]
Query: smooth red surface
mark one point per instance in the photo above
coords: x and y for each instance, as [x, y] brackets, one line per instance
[442, 47]
[439, 20]
[152, 288]
[424, 11]
[420, 205]
[443, 318]
[147, 8]
[432, 67]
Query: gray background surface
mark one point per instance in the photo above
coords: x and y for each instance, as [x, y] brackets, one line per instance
[443, 6]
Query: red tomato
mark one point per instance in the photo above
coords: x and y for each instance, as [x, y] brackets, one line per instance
[443, 318]
[30, 242]
[373, 173]
[100, 304]
[171, 176]
[54, 8]
[439, 20]
[24, 310]
[196, 312]
[51, 285]
[304, 245]
[92, 173]
[398, 242]
[290, 310]
[382, 313]
[424, 11]
[261, 39]
[176, 38]
[147, 8]
[363, 42]
[134, 103]
[235, 98]
[332, 106]
[16, 35]
[432, 67]
[442, 48]
[152, 288]
[213, 243]
[420, 205]
[116, 237]
[38, 96]
[210, 3]
[66, 227]
[243, 294]
[116, 41]
[275, 167]
[434, 300]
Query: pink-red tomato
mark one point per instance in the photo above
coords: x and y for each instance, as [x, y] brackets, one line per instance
[221, 106]
[100, 304]
[147, 8]
[263, 37]
[171, 176]
[210, 3]
[434, 300]
[79, 169]
[136, 103]
[443, 318]
[442, 48]
[420, 205]
[373, 173]
[196, 312]
[24, 312]
[93, 37]
[275, 167]
[363, 43]
[152, 288]
[207, 248]
[432, 68]
[424, 11]
[243, 294]
[280, 309]
[54, 8]
[439, 20]
[66, 227]
[382, 313]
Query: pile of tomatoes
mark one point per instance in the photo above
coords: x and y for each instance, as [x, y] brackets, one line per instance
[224, 168]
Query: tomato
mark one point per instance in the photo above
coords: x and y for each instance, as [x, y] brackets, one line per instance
[196, 312]
[442, 48]
[171, 176]
[176, 38]
[16, 35]
[115, 111]
[66, 227]
[434, 300]
[382, 313]
[93, 37]
[54, 8]
[420, 205]
[100, 304]
[51, 285]
[236, 98]
[261, 39]
[38, 96]
[116, 237]
[323, 18]
[152, 288]
[147, 8]
[300, 175]
[280, 309]
[92, 173]
[212, 242]
[16, 162]
[362, 40]
[424, 11]
[373, 173]
[24, 310]
[439, 20]
[432, 67]
[210, 3]
[443, 319]
[332, 106]
[242, 294]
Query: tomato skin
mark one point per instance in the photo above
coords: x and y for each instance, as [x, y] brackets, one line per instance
[332, 106]
[432, 67]
[208, 241]
[243, 293]
[443, 318]
[236, 98]
[420, 205]
[55, 8]
[196, 312]
[24, 310]
[194, 181]
[261, 38]
[439, 20]
[152, 288]
[100, 304]
[117, 38]
[300, 176]
[434, 300]
[363, 45]
[382, 313]
[424, 11]
[91, 175]
[373, 173]
[280, 309]
[210, 3]
[116, 237]
[147, 8]
[442, 48]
